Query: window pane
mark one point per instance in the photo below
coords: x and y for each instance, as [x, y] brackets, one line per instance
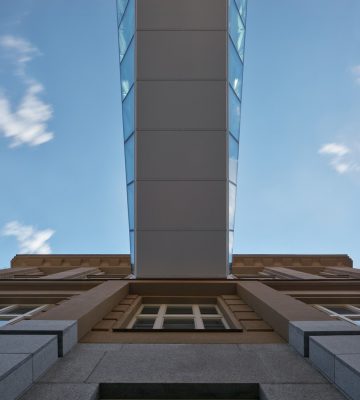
[213, 324]
[233, 159]
[120, 5]
[129, 159]
[236, 28]
[172, 323]
[130, 196]
[21, 309]
[5, 320]
[127, 70]
[232, 205]
[127, 28]
[144, 323]
[179, 310]
[342, 310]
[150, 310]
[356, 320]
[242, 8]
[129, 114]
[208, 310]
[234, 114]
[235, 69]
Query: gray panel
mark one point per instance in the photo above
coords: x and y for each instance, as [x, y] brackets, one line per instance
[181, 205]
[172, 55]
[181, 155]
[181, 14]
[181, 254]
[192, 105]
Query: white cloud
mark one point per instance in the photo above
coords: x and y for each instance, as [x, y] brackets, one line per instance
[28, 123]
[342, 158]
[356, 73]
[30, 240]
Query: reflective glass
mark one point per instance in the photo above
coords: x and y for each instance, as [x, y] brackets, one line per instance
[129, 114]
[150, 310]
[235, 66]
[213, 324]
[208, 310]
[179, 310]
[130, 196]
[242, 8]
[144, 323]
[233, 159]
[232, 205]
[234, 114]
[21, 309]
[132, 247]
[127, 70]
[127, 28]
[129, 159]
[231, 245]
[5, 320]
[178, 323]
[120, 5]
[342, 310]
[236, 28]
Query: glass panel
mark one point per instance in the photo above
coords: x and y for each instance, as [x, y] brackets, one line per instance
[129, 159]
[208, 310]
[234, 114]
[130, 196]
[172, 323]
[144, 323]
[242, 8]
[232, 205]
[132, 248]
[150, 310]
[342, 310]
[127, 70]
[235, 69]
[356, 320]
[233, 159]
[21, 309]
[236, 28]
[127, 28]
[129, 114]
[120, 5]
[213, 324]
[231, 245]
[5, 320]
[179, 310]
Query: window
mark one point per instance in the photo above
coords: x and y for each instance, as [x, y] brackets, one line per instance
[178, 317]
[347, 312]
[16, 312]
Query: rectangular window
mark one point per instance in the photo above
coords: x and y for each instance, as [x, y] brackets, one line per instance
[346, 312]
[16, 312]
[179, 317]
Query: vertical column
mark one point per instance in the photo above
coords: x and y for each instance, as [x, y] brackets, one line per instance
[181, 140]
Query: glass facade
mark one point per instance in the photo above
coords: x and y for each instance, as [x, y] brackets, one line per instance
[236, 44]
[126, 31]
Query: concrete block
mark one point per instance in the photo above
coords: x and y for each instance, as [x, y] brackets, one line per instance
[347, 375]
[299, 392]
[66, 331]
[300, 331]
[324, 349]
[43, 350]
[41, 391]
[15, 375]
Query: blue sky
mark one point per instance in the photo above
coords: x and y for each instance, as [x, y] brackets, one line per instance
[62, 187]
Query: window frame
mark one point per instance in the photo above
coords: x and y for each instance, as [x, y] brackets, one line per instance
[196, 316]
[5, 312]
[344, 317]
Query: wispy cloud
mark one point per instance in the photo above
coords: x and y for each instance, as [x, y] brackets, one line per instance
[28, 122]
[342, 158]
[30, 240]
[356, 73]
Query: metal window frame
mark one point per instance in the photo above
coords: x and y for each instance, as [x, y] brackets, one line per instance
[344, 317]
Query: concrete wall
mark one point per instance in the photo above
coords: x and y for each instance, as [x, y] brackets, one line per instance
[181, 141]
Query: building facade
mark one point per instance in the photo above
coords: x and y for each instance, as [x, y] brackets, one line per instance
[181, 83]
